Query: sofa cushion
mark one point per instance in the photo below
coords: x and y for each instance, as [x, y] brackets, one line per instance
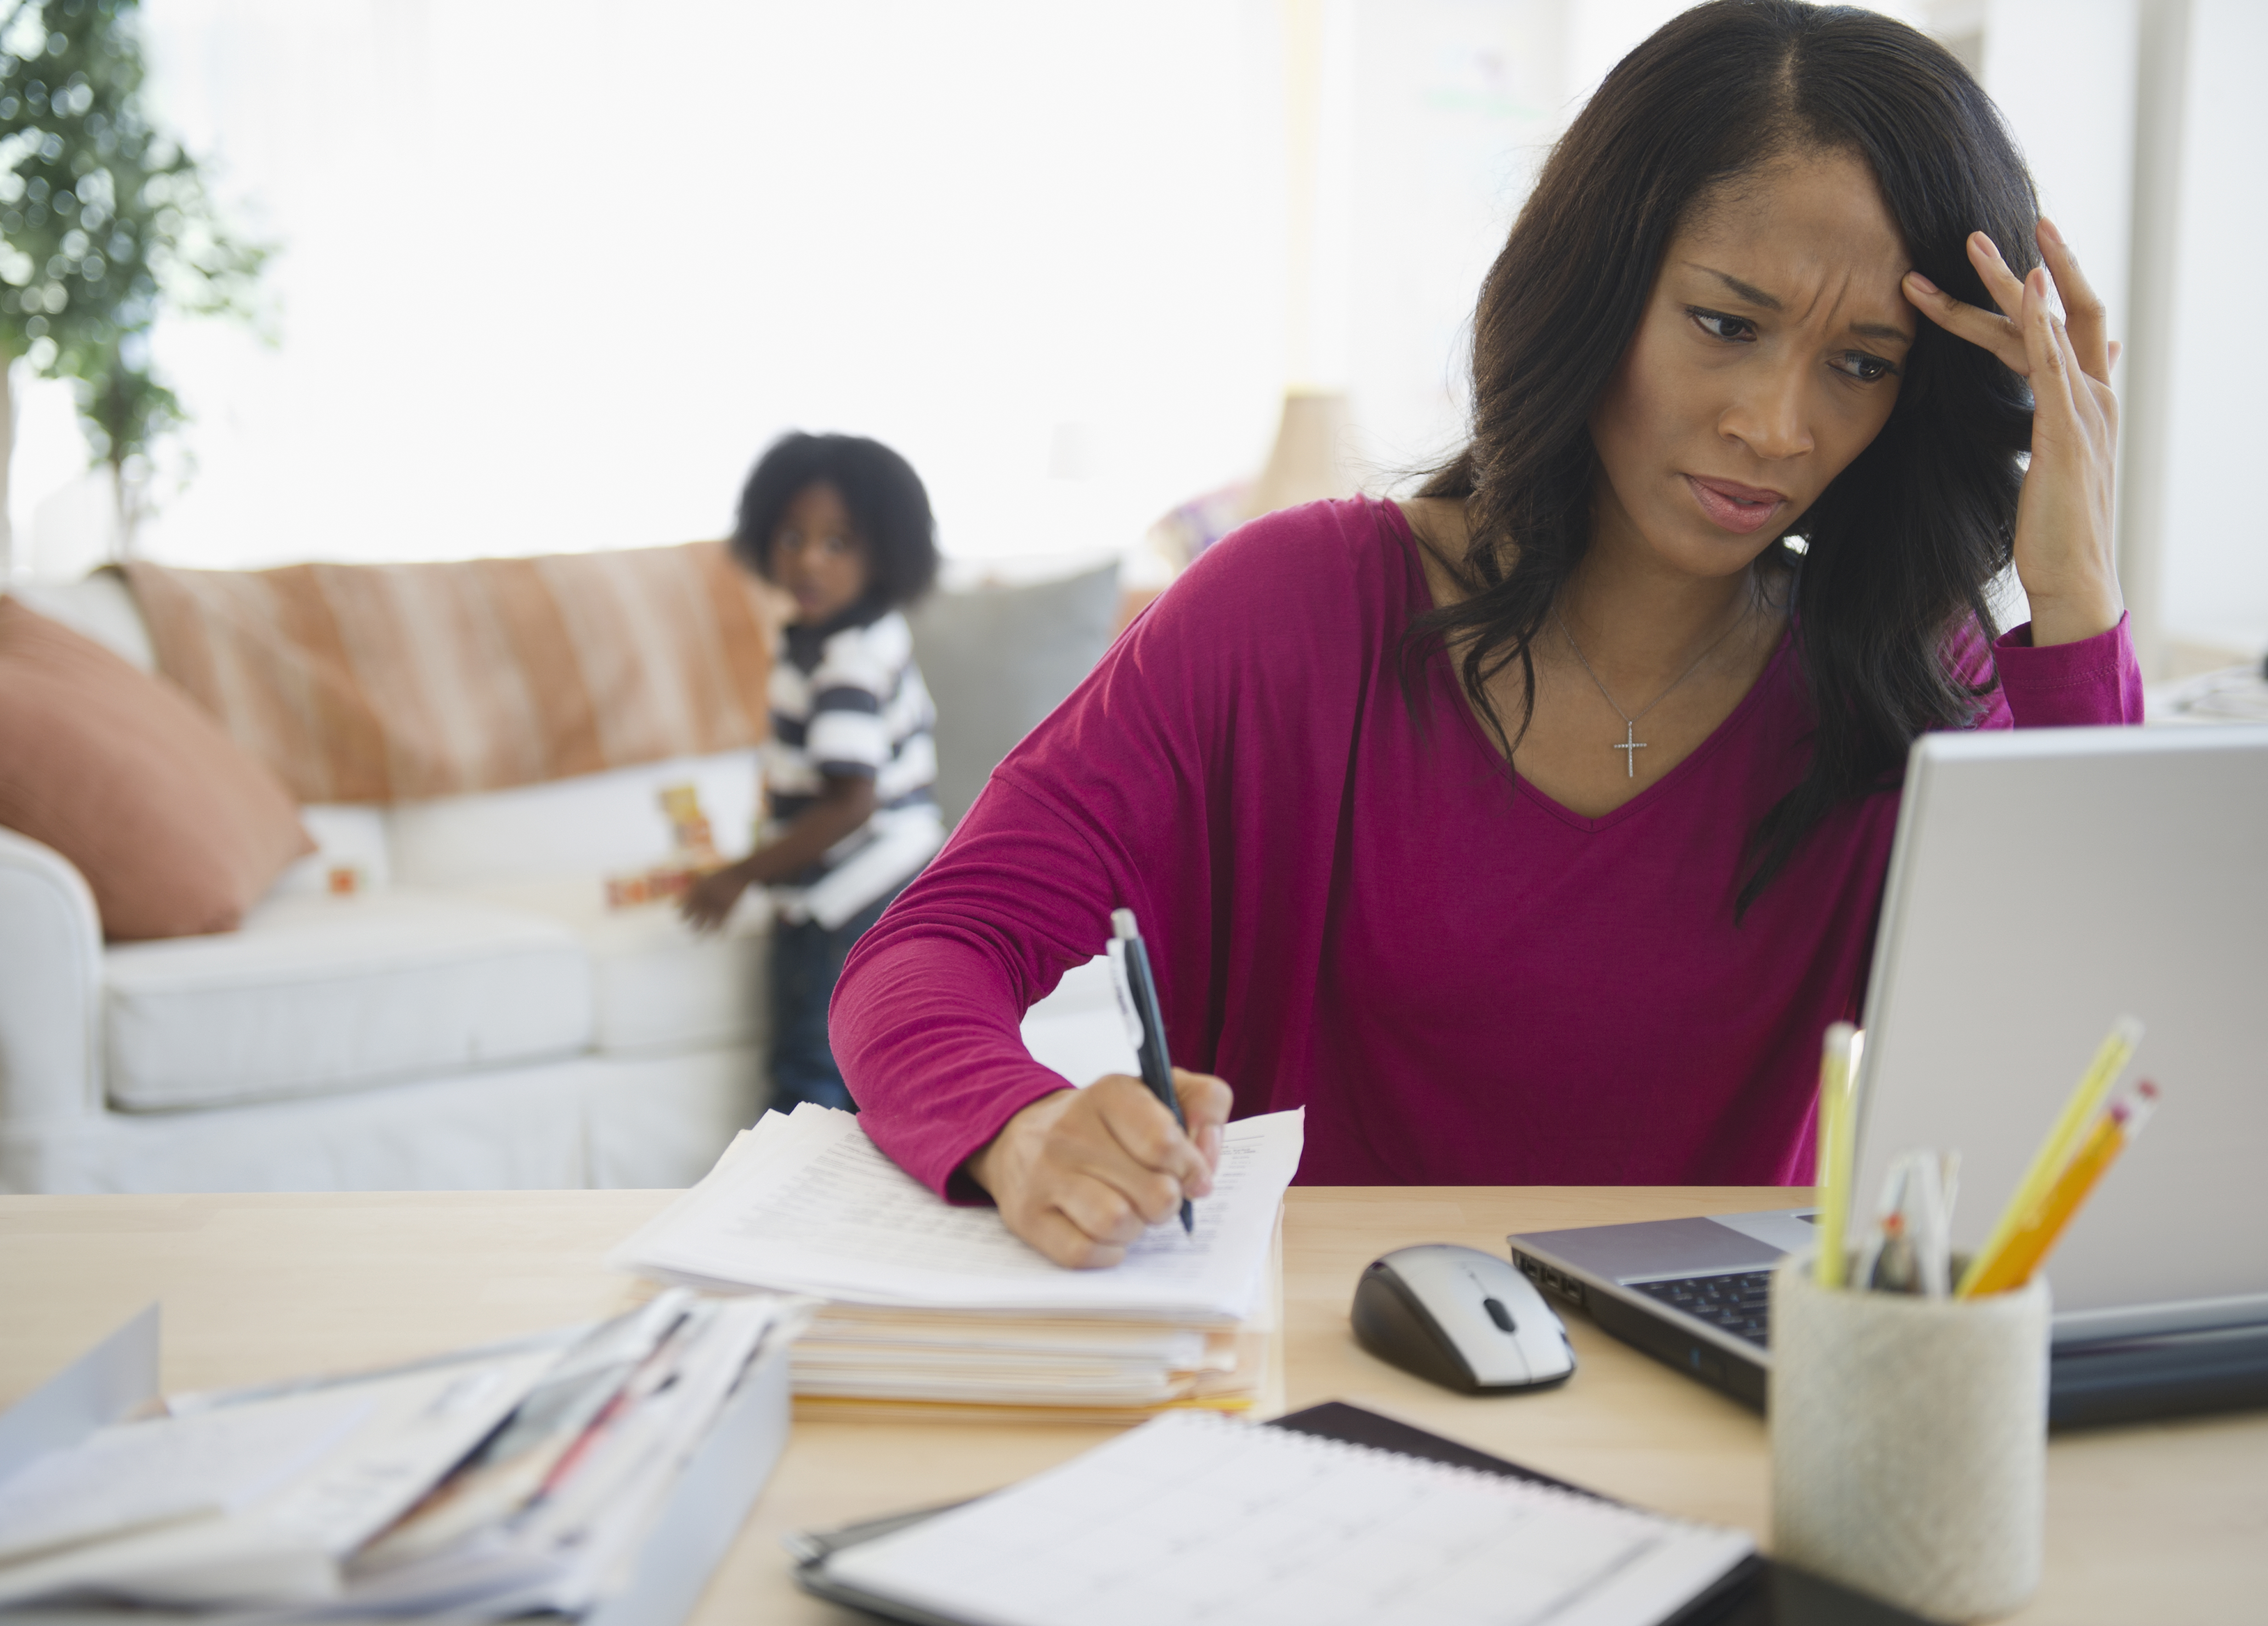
[656, 984]
[997, 659]
[589, 825]
[317, 995]
[175, 828]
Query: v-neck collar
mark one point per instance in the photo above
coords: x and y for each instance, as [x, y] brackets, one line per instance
[1422, 590]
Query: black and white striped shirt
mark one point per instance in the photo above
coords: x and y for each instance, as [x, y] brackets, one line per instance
[850, 703]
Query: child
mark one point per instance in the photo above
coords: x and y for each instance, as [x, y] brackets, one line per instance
[842, 525]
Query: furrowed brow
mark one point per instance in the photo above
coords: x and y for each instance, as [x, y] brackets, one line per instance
[1749, 292]
[1757, 296]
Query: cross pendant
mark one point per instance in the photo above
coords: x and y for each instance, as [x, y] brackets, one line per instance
[1630, 746]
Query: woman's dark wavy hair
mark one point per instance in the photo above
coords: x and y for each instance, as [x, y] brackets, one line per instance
[1900, 548]
[888, 505]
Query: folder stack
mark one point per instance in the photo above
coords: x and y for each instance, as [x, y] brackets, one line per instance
[486, 1485]
[931, 1310]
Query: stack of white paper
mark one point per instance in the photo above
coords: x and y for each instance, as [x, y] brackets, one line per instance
[934, 1307]
[489, 1484]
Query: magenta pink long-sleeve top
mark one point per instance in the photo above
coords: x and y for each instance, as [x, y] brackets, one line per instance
[1362, 912]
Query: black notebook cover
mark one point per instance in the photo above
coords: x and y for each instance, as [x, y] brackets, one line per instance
[1755, 1593]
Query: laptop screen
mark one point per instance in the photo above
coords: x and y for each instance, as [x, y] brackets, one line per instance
[2043, 883]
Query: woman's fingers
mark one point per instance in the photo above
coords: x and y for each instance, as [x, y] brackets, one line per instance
[2009, 332]
[2006, 287]
[2084, 316]
[2064, 515]
[1158, 1163]
[2050, 352]
[1206, 1102]
[1079, 1173]
[1060, 1237]
[1101, 1209]
[2050, 388]
[1986, 329]
[2091, 400]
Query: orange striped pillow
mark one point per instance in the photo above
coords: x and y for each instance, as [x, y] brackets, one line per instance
[373, 683]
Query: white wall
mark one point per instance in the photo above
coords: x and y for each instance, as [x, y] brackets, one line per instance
[2215, 559]
[2063, 72]
[554, 274]
[1601, 32]
[1456, 102]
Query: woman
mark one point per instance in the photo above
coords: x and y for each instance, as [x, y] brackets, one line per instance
[1533, 829]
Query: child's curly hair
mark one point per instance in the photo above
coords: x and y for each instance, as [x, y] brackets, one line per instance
[887, 502]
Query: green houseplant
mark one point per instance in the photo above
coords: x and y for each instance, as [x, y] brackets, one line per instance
[105, 223]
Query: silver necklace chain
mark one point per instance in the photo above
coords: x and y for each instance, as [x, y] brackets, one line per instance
[1632, 744]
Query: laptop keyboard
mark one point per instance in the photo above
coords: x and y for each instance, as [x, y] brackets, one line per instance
[1739, 1303]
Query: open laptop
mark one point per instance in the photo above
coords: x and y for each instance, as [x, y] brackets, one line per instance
[2042, 882]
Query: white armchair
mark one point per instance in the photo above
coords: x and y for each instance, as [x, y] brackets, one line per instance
[50, 993]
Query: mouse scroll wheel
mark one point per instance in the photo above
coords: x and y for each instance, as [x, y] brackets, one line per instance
[1498, 1313]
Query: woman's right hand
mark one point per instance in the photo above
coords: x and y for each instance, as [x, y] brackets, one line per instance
[1081, 1173]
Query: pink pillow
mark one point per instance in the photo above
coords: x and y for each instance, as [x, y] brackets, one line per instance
[175, 826]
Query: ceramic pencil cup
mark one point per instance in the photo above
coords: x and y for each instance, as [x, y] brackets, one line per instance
[1909, 1442]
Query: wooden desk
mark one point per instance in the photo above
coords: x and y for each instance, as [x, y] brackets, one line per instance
[2161, 1523]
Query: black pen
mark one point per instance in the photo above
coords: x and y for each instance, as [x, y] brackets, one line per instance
[1141, 990]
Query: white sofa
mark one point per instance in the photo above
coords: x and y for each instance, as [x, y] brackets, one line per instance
[473, 1016]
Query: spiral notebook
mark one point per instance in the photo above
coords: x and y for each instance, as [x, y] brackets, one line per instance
[1197, 1518]
[1333, 1513]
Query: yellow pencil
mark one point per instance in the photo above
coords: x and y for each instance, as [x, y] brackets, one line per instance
[2048, 1163]
[2114, 1131]
[1834, 1135]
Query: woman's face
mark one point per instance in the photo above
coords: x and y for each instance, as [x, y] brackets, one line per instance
[1768, 357]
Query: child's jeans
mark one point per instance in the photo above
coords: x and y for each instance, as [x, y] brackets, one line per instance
[806, 959]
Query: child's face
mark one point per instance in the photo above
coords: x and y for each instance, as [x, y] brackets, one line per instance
[817, 556]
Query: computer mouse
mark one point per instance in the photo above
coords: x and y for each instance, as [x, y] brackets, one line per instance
[1461, 1318]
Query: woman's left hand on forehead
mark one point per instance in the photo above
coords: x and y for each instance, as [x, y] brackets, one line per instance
[2064, 519]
